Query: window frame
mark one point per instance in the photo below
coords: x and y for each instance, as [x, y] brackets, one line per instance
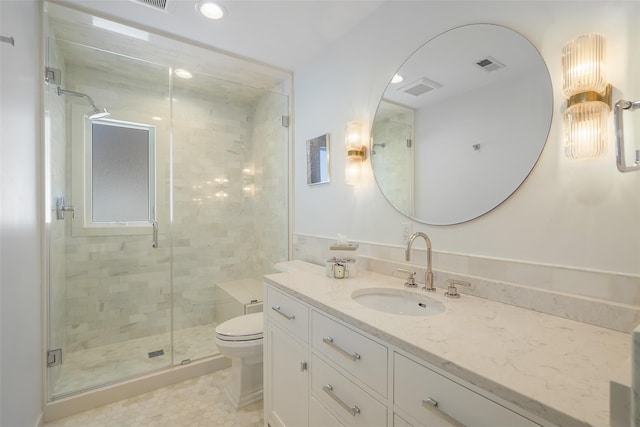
[82, 142]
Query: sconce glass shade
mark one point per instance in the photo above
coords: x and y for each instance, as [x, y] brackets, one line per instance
[583, 65]
[356, 153]
[585, 127]
[353, 136]
[353, 169]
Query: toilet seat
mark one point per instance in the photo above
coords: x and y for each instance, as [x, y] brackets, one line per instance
[243, 328]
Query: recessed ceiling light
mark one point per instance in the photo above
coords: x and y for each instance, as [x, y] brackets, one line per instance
[183, 74]
[156, 118]
[210, 9]
[397, 78]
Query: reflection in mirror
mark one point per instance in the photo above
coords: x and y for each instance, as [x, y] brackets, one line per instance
[464, 128]
[392, 153]
[318, 160]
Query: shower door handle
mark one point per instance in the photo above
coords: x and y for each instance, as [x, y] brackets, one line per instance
[61, 208]
[155, 234]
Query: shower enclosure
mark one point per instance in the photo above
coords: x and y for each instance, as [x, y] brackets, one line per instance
[161, 213]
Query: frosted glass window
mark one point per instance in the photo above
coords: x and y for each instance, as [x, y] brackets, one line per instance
[121, 172]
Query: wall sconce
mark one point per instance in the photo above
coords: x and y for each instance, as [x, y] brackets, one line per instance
[589, 97]
[356, 153]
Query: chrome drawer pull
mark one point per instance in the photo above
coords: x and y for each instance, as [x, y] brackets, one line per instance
[276, 308]
[353, 410]
[329, 341]
[432, 405]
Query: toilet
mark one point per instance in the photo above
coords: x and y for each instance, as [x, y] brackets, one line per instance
[240, 339]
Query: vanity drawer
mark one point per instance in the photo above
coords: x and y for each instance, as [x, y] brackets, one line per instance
[400, 422]
[416, 385]
[362, 357]
[320, 417]
[350, 402]
[287, 312]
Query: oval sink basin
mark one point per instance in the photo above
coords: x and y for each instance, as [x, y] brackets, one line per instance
[397, 301]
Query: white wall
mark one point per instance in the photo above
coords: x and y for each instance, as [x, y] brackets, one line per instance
[578, 214]
[20, 245]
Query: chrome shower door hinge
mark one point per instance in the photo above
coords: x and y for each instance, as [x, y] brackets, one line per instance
[54, 357]
[53, 75]
[285, 121]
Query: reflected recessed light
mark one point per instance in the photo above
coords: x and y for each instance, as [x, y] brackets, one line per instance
[156, 118]
[397, 78]
[210, 9]
[183, 74]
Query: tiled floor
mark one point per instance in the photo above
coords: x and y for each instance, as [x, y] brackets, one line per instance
[100, 365]
[201, 402]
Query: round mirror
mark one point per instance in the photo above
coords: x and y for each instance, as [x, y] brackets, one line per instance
[462, 124]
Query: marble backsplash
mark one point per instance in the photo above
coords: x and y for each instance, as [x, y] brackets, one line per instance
[604, 299]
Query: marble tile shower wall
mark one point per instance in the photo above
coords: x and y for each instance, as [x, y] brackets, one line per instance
[236, 196]
[119, 287]
[212, 219]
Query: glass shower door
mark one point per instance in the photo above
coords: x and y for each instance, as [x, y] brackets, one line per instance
[107, 195]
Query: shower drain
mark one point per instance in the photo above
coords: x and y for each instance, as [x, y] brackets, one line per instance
[156, 353]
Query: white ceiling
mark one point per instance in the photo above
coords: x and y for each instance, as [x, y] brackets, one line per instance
[285, 34]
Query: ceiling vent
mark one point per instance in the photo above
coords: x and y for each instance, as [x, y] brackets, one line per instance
[490, 64]
[420, 87]
[156, 4]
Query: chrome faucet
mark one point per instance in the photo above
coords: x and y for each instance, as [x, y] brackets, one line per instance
[428, 276]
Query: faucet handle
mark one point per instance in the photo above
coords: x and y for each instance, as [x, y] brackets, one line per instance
[411, 280]
[452, 291]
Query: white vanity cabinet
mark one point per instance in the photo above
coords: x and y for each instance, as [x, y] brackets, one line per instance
[286, 361]
[322, 372]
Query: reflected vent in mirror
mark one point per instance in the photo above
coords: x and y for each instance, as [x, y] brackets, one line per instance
[420, 86]
[156, 4]
[490, 64]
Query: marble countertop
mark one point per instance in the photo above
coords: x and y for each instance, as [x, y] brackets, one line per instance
[554, 368]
